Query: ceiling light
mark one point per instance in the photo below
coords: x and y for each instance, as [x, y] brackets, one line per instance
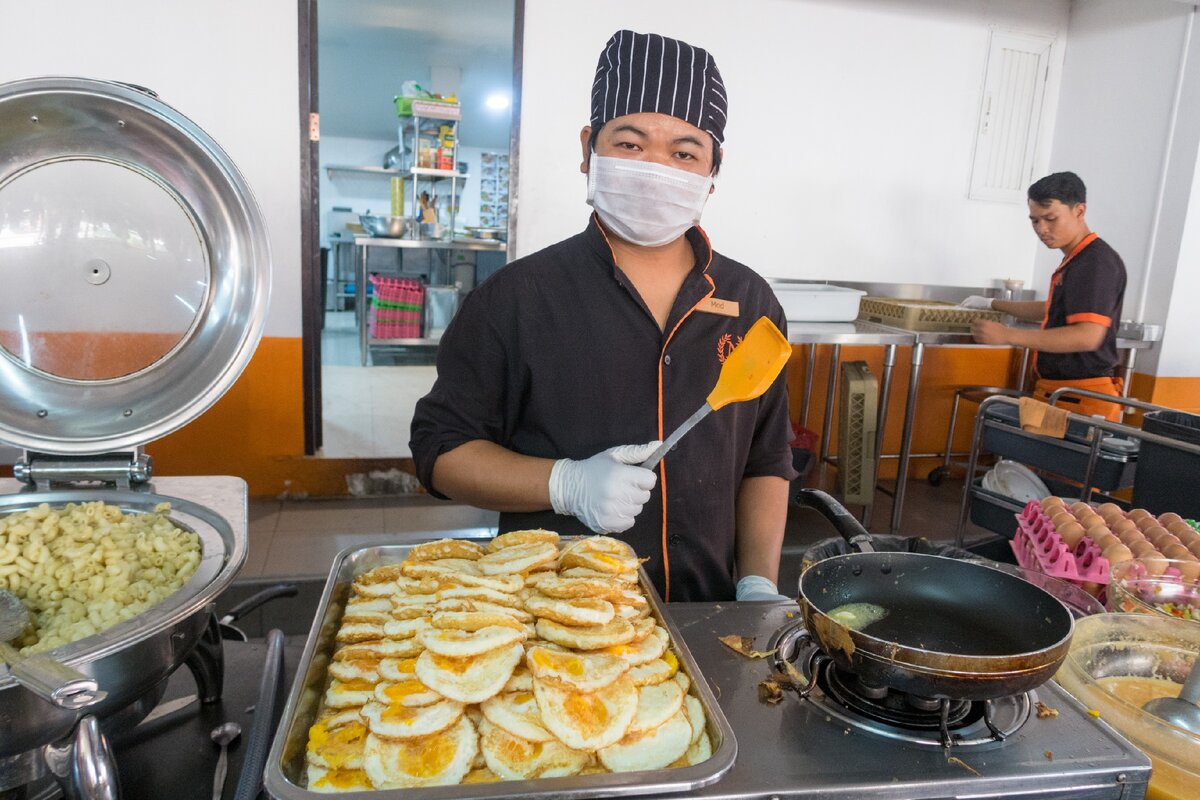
[497, 101]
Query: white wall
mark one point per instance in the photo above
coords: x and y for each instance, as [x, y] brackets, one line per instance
[230, 66]
[1120, 78]
[1179, 356]
[849, 143]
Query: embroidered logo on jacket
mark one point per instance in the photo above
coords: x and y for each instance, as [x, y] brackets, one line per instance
[725, 346]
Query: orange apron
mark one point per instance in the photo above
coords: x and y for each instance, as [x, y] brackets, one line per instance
[1085, 405]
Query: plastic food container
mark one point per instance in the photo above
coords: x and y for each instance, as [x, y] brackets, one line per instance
[1114, 657]
[816, 302]
[1173, 593]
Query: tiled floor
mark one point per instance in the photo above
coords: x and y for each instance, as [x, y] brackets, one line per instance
[367, 411]
[302, 537]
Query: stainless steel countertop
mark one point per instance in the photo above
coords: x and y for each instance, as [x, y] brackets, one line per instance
[458, 243]
[855, 332]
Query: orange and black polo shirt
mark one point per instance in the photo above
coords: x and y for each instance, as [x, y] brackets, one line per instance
[557, 356]
[1088, 288]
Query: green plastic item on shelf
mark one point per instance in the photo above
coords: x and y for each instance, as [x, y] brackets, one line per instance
[395, 304]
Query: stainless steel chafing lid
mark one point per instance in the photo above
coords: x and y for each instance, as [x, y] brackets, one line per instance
[134, 267]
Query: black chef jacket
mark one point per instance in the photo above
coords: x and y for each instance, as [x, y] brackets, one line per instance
[1087, 288]
[557, 356]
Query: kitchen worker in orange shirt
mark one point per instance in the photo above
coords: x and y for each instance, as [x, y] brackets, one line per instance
[1077, 342]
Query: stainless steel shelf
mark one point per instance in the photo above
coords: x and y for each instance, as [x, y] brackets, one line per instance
[432, 244]
[419, 172]
[402, 342]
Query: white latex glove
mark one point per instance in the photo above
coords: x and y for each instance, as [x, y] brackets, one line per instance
[756, 587]
[977, 301]
[605, 491]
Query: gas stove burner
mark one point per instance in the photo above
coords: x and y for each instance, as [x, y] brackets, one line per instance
[892, 707]
[881, 711]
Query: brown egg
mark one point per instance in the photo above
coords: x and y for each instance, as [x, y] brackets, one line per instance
[1105, 540]
[1166, 519]
[1091, 588]
[1079, 508]
[1177, 551]
[1189, 570]
[1122, 525]
[1155, 565]
[1071, 533]
[1185, 532]
[1129, 537]
[1051, 502]
[1062, 518]
[1146, 523]
[1194, 548]
[1108, 508]
[1159, 536]
[1138, 514]
[1143, 548]
[1116, 553]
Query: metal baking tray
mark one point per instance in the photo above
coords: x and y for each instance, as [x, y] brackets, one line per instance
[285, 764]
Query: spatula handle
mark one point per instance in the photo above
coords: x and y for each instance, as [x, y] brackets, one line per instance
[676, 435]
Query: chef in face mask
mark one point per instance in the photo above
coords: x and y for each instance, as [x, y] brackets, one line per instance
[558, 375]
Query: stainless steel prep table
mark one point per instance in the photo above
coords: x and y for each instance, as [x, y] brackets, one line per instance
[362, 245]
[860, 332]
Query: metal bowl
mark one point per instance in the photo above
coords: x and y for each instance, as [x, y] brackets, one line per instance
[387, 227]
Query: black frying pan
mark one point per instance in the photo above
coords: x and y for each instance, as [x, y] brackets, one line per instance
[953, 629]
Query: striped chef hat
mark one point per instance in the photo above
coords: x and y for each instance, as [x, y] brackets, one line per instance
[646, 72]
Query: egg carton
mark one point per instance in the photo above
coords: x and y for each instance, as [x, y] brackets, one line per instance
[922, 315]
[1038, 546]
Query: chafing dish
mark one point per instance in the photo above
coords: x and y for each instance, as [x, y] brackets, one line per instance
[136, 273]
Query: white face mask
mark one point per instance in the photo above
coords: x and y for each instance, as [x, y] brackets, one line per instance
[643, 202]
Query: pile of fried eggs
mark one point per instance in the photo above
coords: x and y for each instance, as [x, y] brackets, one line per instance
[510, 660]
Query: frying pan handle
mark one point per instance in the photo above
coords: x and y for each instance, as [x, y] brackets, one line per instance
[845, 523]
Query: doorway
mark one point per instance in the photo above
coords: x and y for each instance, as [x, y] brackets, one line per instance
[362, 379]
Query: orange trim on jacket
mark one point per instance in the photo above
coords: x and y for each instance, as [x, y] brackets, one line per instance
[1098, 319]
[662, 465]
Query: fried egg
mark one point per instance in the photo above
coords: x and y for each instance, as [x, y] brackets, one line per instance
[656, 705]
[380, 648]
[511, 538]
[652, 672]
[483, 606]
[481, 593]
[480, 775]
[566, 588]
[475, 620]
[405, 628]
[683, 680]
[322, 780]
[518, 558]
[517, 713]
[631, 613]
[695, 715]
[579, 611]
[587, 720]
[639, 651]
[361, 669]
[652, 749]
[469, 679]
[618, 631]
[513, 758]
[354, 632]
[446, 548]
[336, 741]
[410, 692]
[412, 610]
[700, 750]
[344, 694]
[360, 606]
[580, 672]
[469, 643]
[521, 680]
[586, 573]
[439, 759]
[396, 670]
[407, 722]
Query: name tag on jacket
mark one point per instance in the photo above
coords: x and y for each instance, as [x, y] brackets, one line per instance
[714, 305]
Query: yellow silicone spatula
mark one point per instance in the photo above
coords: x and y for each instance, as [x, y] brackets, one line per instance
[748, 372]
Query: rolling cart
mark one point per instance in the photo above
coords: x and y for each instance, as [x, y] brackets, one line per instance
[1096, 456]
